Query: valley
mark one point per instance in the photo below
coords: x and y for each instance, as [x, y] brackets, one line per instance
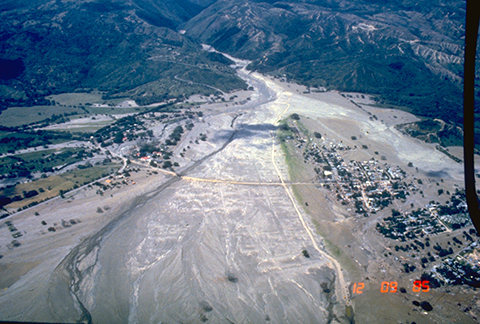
[235, 219]
[258, 161]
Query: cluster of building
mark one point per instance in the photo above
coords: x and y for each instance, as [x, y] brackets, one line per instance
[464, 269]
[152, 157]
[435, 218]
[410, 225]
[364, 186]
[112, 182]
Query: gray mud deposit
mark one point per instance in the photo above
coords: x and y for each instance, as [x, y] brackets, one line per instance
[224, 240]
[188, 260]
[194, 251]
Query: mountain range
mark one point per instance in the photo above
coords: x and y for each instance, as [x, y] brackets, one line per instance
[407, 53]
[125, 48]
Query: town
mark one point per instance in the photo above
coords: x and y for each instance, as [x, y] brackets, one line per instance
[435, 241]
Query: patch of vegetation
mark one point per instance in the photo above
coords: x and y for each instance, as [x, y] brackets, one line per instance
[52, 186]
[22, 165]
[148, 148]
[12, 140]
[125, 125]
[176, 135]
[435, 131]
[46, 115]
[232, 278]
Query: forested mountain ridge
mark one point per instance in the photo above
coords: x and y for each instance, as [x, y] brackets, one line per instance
[127, 48]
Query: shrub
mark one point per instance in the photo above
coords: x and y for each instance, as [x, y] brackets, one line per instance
[30, 194]
[232, 278]
[4, 201]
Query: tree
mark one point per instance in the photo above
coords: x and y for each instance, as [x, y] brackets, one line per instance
[177, 134]
[147, 149]
[30, 193]
[4, 201]
[118, 138]
[295, 116]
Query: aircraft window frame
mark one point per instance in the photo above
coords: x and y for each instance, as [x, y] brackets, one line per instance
[471, 34]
